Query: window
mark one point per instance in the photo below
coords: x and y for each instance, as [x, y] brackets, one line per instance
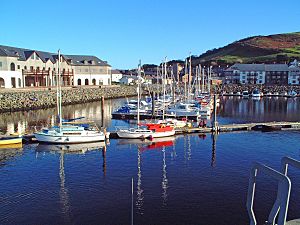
[32, 56]
[25, 67]
[19, 67]
[0, 64]
[12, 67]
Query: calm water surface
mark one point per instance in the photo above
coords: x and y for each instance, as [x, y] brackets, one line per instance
[180, 180]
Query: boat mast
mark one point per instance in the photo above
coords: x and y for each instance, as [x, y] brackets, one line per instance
[190, 77]
[138, 92]
[163, 82]
[185, 75]
[60, 97]
[57, 91]
[208, 79]
[199, 78]
[202, 88]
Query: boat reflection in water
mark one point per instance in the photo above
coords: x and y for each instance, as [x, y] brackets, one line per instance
[9, 151]
[69, 149]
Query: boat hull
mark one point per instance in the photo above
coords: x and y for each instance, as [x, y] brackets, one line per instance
[144, 135]
[10, 141]
[70, 139]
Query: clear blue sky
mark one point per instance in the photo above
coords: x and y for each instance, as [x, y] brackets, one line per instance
[122, 32]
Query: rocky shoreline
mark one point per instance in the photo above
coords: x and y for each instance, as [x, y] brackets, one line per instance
[12, 101]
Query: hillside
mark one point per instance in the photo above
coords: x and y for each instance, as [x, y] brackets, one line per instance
[258, 49]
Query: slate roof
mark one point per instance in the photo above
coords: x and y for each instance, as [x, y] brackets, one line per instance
[116, 72]
[248, 67]
[23, 54]
[277, 67]
[259, 67]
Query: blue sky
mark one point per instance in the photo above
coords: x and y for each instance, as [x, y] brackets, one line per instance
[122, 32]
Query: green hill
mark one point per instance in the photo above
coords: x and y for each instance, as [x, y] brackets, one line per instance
[278, 48]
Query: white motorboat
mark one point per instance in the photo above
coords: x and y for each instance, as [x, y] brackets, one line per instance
[183, 109]
[245, 94]
[292, 94]
[256, 93]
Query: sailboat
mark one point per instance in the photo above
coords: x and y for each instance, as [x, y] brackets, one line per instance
[69, 132]
[148, 130]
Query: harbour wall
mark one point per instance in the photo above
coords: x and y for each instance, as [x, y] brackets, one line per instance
[30, 99]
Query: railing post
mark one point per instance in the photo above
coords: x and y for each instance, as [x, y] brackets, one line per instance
[283, 192]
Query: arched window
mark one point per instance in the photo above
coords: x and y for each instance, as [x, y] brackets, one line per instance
[94, 81]
[2, 82]
[25, 67]
[86, 82]
[12, 67]
[79, 82]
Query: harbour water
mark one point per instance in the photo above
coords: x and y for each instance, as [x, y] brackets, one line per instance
[189, 179]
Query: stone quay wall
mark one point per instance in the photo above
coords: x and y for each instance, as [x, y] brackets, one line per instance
[30, 99]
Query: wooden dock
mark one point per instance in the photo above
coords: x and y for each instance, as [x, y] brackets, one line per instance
[264, 127]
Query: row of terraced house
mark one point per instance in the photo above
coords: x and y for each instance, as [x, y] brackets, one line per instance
[268, 74]
[31, 68]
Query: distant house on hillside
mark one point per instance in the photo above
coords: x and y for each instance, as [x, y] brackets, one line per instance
[129, 80]
[116, 76]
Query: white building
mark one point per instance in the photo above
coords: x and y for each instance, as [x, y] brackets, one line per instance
[294, 73]
[116, 76]
[31, 68]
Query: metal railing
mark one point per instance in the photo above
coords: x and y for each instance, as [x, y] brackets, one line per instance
[283, 192]
[285, 162]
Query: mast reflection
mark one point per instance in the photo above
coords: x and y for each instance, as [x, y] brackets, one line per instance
[164, 182]
[213, 149]
[139, 193]
[63, 150]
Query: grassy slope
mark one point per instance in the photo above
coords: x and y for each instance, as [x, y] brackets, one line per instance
[256, 49]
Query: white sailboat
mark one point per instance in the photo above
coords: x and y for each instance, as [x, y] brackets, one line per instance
[69, 133]
[151, 130]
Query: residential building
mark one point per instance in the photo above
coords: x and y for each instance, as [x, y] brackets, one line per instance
[128, 80]
[31, 68]
[294, 73]
[116, 76]
[269, 74]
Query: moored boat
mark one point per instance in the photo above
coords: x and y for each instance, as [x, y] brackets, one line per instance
[245, 94]
[9, 140]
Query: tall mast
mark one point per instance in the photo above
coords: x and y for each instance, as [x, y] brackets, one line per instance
[185, 74]
[138, 92]
[190, 77]
[164, 94]
[208, 79]
[199, 78]
[57, 90]
[59, 83]
[202, 89]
